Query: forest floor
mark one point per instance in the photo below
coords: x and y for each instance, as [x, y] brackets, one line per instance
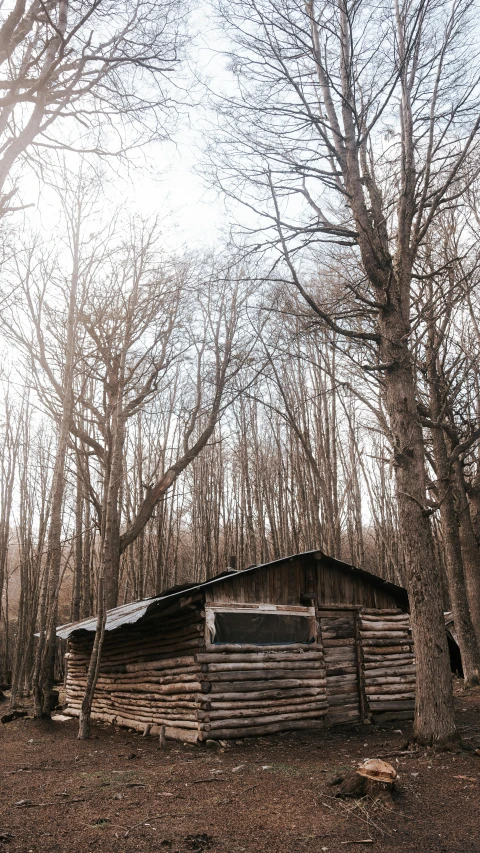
[119, 792]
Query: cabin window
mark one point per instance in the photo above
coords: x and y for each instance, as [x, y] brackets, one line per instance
[262, 627]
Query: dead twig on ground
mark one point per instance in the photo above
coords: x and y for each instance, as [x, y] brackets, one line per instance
[26, 804]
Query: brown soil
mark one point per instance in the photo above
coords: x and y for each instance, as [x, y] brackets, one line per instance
[118, 793]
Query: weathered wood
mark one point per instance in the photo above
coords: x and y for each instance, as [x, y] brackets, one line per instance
[262, 665]
[381, 705]
[378, 643]
[244, 647]
[273, 718]
[378, 626]
[256, 731]
[384, 635]
[275, 684]
[360, 673]
[232, 657]
[372, 652]
[391, 687]
[236, 695]
[367, 611]
[380, 613]
[390, 672]
[265, 709]
[232, 700]
[378, 661]
[263, 674]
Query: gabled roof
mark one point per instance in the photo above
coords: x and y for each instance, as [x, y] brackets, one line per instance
[128, 614]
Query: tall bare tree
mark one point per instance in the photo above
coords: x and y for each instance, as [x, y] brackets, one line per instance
[371, 120]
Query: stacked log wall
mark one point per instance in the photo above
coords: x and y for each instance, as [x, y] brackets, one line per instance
[343, 691]
[388, 664]
[149, 677]
[252, 690]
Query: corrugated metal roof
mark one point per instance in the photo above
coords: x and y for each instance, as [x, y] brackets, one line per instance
[128, 614]
[124, 615]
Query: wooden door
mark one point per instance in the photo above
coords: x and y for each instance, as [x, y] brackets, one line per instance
[337, 632]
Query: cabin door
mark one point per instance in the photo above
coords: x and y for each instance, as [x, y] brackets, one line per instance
[337, 632]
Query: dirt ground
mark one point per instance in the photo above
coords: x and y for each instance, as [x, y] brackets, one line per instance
[119, 792]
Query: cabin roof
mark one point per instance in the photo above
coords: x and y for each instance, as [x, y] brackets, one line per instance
[128, 614]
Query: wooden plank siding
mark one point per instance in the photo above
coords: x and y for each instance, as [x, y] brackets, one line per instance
[286, 582]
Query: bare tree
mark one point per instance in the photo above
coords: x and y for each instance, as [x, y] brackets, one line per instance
[372, 120]
[91, 77]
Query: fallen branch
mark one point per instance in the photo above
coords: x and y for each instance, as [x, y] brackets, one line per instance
[26, 804]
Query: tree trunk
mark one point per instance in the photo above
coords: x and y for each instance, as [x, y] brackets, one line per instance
[470, 546]
[94, 666]
[434, 712]
[464, 628]
[45, 654]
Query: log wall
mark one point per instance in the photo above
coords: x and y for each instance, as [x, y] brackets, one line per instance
[162, 672]
[257, 690]
[388, 664]
[340, 651]
[149, 676]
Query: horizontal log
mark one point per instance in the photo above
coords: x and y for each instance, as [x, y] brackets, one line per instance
[399, 696]
[260, 711]
[347, 701]
[341, 679]
[138, 722]
[283, 697]
[375, 661]
[140, 639]
[342, 689]
[384, 611]
[232, 657]
[263, 674]
[273, 718]
[268, 607]
[172, 663]
[389, 672]
[257, 731]
[387, 690]
[335, 717]
[381, 705]
[236, 695]
[384, 626]
[275, 684]
[165, 649]
[383, 635]
[147, 685]
[262, 666]
[381, 645]
[340, 670]
[345, 641]
[249, 647]
[155, 700]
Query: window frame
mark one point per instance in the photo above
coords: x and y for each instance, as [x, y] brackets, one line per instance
[211, 608]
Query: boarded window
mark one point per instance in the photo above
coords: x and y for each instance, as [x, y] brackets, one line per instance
[263, 629]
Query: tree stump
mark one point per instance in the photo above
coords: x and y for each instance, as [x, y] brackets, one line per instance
[374, 778]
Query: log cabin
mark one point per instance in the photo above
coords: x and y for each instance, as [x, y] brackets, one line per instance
[307, 641]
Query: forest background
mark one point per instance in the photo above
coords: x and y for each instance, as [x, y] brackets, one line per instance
[240, 309]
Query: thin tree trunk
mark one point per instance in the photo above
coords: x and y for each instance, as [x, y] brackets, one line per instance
[94, 666]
